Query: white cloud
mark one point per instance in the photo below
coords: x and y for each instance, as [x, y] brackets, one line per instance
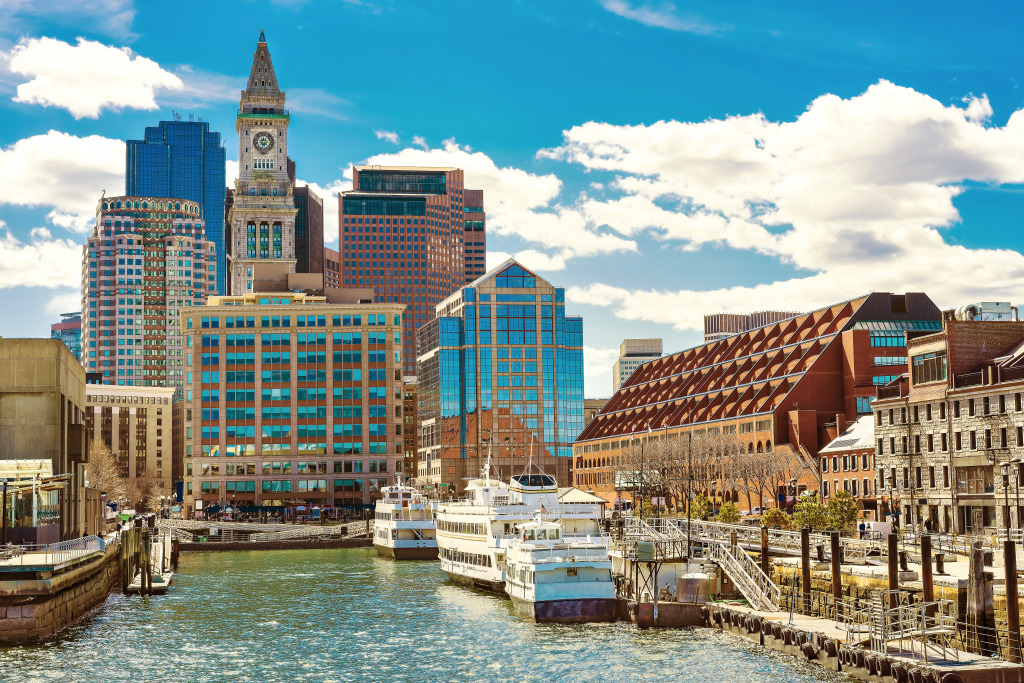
[42, 262]
[110, 17]
[857, 191]
[597, 368]
[62, 171]
[88, 77]
[519, 204]
[662, 15]
[64, 302]
[420, 141]
[389, 135]
[496, 258]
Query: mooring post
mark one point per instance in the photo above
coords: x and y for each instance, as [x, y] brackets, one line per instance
[927, 589]
[1012, 601]
[805, 567]
[366, 521]
[894, 572]
[766, 563]
[837, 578]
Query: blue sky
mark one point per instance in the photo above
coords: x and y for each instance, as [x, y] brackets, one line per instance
[660, 161]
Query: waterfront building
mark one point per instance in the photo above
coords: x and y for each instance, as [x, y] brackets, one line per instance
[42, 417]
[500, 369]
[943, 428]
[332, 268]
[184, 160]
[294, 395]
[262, 216]
[136, 424]
[406, 231]
[720, 325]
[847, 463]
[787, 389]
[69, 331]
[147, 259]
[410, 412]
[632, 354]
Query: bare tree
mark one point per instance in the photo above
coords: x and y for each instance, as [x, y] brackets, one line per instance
[103, 471]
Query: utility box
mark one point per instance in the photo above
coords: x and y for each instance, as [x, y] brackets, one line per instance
[645, 551]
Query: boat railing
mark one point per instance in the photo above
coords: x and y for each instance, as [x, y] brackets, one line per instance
[571, 555]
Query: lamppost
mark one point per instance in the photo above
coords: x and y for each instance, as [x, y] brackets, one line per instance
[792, 485]
[1017, 463]
[1005, 467]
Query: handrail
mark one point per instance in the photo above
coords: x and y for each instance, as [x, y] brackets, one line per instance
[760, 593]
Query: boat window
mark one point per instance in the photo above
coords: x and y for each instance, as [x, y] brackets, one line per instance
[570, 571]
[528, 535]
[553, 534]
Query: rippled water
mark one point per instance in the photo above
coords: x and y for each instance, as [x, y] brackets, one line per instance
[345, 615]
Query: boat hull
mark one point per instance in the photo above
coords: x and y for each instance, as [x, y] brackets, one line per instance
[570, 611]
[480, 584]
[406, 553]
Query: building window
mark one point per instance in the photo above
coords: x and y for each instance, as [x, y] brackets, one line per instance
[928, 367]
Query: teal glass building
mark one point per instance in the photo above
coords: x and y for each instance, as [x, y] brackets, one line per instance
[182, 159]
[499, 369]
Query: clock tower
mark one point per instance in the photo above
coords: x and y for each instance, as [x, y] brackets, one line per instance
[262, 216]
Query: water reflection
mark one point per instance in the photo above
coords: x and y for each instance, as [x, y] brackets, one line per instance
[346, 615]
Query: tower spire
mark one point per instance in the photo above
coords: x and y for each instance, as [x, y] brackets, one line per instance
[262, 78]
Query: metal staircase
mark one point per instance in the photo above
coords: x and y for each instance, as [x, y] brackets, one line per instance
[756, 587]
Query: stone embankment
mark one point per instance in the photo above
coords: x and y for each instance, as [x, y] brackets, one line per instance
[38, 604]
[293, 544]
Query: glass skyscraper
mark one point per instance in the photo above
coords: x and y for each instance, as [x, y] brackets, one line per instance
[182, 159]
[500, 368]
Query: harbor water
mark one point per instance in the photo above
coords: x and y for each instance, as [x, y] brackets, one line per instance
[345, 615]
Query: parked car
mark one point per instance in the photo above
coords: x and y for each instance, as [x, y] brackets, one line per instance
[756, 510]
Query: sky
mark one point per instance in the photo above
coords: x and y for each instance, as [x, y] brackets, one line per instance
[660, 161]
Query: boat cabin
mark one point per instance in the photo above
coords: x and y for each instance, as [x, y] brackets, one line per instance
[540, 533]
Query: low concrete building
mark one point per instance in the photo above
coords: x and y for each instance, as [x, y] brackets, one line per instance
[42, 401]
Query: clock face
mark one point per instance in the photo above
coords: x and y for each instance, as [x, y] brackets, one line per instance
[263, 142]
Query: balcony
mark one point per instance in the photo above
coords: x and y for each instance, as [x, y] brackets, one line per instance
[969, 379]
[1010, 374]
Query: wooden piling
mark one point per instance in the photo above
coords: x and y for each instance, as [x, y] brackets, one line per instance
[1012, 601]
[927, 588]
[805, 568]
[766, 563]
[894, 572]
[837, 578]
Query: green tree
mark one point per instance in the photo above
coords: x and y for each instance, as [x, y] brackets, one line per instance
[810, 512]
[842, 511]
[774, 517]
[699, 507]
[728, 513]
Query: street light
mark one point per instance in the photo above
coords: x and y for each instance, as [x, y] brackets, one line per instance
[792, 484]
[1017, 462]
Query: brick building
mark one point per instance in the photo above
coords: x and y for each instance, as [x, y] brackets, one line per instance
[408, 233]
[943, 428]
[294, 395]
[410, 414]
[792, 385]
[847, 463]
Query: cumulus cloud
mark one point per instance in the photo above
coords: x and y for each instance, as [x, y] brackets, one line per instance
[62, 171]
[64, 301]
[662, 15]
[42, 262]
[597, 368]
[520, 204]
[88, 77]
[420, 141]
[389, 135]
[857, 191]
[329, 195]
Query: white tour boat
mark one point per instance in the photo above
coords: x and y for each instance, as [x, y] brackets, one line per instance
[473, 534]
[403, 524]
[551, 580]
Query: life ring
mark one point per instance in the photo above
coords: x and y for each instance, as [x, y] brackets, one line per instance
[755, 625]
[917, 676]
[801, 638]
[872, 664]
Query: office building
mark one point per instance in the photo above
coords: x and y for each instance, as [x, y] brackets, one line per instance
[147, 260]
[69, 331]
[309, 231]
[721, 325]
[332, 268]
[410, 413]
[475, 235]
[404, 232]
[946, 422]
[42, 418]
[787, 388]
[262, 216]
[183, 160]
[136, 424]
[294, 395]
[591, 407]
[500, 369]
[632, 354]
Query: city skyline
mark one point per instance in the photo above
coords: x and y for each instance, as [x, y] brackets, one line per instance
[753, 160]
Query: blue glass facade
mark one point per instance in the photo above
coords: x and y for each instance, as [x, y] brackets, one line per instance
[505, 364]
[182, 159]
